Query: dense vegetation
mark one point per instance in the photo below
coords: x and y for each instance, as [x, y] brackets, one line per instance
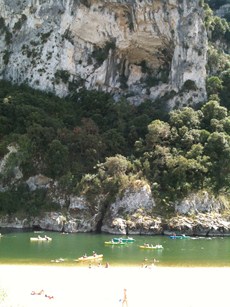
[66, 139]
[89, 143]
[216, 4]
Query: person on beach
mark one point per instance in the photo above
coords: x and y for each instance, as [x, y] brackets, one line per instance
[125, 300]
[49, 296]
[37, 293]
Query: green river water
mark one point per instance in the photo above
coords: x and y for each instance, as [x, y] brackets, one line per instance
[16, 248]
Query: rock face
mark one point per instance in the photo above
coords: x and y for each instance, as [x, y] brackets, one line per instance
[16, 173]
[200, 214]
[135, 212]
[199, 203]
[38, 182]
[127, 214]
[145, 48]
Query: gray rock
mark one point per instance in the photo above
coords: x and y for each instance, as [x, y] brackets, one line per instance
[38, 182]
[199, 202]
[111, 45]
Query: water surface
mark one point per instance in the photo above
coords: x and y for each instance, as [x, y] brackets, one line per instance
[16, 248]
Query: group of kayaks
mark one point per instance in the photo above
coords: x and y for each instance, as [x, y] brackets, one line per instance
[114, 241]
[125, 241]
[99, 257]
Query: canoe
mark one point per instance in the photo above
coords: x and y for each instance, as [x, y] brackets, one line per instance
[158, 246]
[114, 243]
[124, 240]
[41, 239]
[90, 258]
[179, 237]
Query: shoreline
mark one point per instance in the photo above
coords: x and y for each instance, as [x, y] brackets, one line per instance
[98, 286]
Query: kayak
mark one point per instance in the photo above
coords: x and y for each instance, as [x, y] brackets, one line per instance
[124, 240]
[40, 239]
[158, 246]
[179, 237]
[114, 243]
[91, 258]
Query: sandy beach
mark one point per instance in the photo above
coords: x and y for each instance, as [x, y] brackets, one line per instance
[146, 287]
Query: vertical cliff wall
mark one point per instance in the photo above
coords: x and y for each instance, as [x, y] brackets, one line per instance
[143, 48]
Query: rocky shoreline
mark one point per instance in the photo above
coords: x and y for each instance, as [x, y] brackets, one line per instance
[203, 225]
[133, 213]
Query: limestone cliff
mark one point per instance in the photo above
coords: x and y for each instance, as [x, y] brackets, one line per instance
[142, 48]
[199, 214]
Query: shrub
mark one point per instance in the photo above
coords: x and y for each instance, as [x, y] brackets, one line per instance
[189, 85]
[101, 54]
[19, 23]
[62, 75]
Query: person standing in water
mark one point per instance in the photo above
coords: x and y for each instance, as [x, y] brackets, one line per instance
[125, 300]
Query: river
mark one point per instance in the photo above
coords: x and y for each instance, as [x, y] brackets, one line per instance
[17, 248]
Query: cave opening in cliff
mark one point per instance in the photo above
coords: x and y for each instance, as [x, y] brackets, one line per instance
[36, 228]
[103, 215]
[99, 226]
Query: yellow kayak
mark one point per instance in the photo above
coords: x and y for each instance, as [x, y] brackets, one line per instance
[91, 258]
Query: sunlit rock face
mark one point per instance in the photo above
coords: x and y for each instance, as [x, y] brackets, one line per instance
[142, 48]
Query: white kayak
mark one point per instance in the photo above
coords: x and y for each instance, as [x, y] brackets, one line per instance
[40, 239]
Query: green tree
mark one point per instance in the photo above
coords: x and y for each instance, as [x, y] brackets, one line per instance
[158, 132]
[88, 141]
[212, 110]
[185, 117]
[214, 85]
[185, 174]
[116, 166]
[57, 159]
[114, 141]
[218, 149]
[225, 93]
[40, 137]
[219, 28]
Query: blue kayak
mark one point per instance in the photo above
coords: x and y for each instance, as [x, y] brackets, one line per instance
[179, 237]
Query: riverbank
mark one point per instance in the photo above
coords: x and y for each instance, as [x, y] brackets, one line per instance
[147, 287]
